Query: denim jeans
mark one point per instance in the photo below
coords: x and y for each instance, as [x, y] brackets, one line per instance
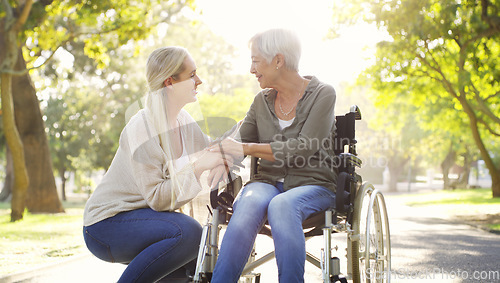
[285, 212]
[153, 244]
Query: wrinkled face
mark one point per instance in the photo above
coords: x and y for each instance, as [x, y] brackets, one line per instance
[266, 73]
[184, 84]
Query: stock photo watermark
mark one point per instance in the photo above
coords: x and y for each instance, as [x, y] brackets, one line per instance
[434, 274]
[314, 152]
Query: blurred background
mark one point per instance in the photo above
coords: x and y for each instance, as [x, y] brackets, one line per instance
[425, 74]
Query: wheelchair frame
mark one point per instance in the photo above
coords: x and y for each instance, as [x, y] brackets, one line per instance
[360, 212]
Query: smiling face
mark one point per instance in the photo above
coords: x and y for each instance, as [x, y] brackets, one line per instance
[185, 83]
[265, 72]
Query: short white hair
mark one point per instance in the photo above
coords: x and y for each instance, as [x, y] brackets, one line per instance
[278, 41]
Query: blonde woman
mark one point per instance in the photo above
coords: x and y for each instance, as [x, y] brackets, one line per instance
[130, 218]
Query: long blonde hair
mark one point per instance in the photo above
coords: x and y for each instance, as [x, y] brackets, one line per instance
[163, 63]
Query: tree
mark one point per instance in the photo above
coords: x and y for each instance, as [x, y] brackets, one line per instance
[10, 27]
[36, 30]
[452, 50]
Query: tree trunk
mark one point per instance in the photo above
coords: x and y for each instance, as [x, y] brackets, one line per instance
[8, 42]
[62, 174]
[9, 177]
[463, 178]
[42, 193]
[495, 185]
[476, 135]
[446, 165]
[485, 154]
[396, 165]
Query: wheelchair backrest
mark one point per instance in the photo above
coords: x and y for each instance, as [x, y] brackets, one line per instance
[346, 131]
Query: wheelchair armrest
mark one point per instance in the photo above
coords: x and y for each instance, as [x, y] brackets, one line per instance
[350, 159]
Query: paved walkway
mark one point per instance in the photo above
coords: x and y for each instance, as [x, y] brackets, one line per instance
[425, 248]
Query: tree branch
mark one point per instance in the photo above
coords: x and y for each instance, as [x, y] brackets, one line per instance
[24, 15]
[426, 74]
[486, 33]
[493, 95]
[483, 107]
[444, 81]
[492, 21]
[25, 71]
[487, 126]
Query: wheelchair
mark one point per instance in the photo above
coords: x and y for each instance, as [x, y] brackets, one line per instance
[360, 212]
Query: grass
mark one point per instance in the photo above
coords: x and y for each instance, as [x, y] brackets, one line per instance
[39, 239]
[475, 206]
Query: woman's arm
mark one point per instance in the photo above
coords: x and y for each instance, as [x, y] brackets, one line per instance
[259, 150]
[239, 149]
[150, 169]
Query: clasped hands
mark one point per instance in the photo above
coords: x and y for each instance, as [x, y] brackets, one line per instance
[226, 152]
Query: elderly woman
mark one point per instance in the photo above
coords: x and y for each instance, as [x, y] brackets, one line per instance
[290, 127]
[131, 216]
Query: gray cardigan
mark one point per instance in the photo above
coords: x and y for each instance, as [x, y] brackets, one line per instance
[303, 150]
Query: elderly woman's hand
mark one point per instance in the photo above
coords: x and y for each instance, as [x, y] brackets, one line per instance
[229, 146]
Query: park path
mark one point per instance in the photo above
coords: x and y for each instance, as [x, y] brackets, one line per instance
[425, 248]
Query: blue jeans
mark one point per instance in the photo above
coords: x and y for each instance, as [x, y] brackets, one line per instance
[153, 244]
[285, 212]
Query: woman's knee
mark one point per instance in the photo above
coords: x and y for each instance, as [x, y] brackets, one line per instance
[255, 196]
[191, 230]
[280, 205]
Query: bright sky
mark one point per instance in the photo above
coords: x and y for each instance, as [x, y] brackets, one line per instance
[332, 61]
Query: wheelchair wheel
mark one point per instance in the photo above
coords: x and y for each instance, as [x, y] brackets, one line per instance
[370, 246]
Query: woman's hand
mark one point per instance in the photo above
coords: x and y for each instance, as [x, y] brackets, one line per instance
[229, 146]
[216, 175]
[209, 160]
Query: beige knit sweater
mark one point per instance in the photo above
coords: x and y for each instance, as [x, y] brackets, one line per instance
[138, 175]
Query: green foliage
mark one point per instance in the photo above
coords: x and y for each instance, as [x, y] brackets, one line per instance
[83, 119]
[441, 66]
[101, 26]
[347, 13]
[233, 106]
